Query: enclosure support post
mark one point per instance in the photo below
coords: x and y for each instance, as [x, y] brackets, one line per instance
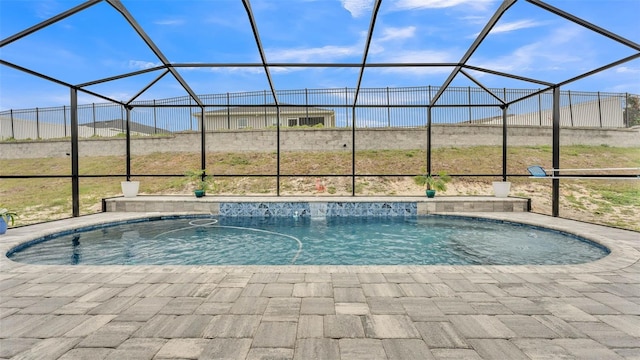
[277, 150]
[555, 195]
[128, 142]
[203, 145]
[504, 142]
[428, 140]
[429, 134]
[505, 136]
[353, 151]
[75, 173]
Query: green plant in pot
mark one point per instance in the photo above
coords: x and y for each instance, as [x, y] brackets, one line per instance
[433, 183]
[200, 181]
[6, 217]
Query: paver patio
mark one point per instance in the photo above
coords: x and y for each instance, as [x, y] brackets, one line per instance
[588, 311]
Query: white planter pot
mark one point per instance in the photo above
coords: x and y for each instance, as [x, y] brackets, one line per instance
[501, 188]
[130, 188]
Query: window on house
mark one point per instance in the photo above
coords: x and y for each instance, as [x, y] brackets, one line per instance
[311, 121]
[242, 123]
[292, 122]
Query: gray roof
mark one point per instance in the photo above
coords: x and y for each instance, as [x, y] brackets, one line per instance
[133, 126]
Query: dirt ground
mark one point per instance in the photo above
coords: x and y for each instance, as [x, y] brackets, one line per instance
[583, 206]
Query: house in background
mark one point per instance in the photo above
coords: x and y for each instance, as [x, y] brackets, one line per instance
[260, 117]
[605, 112]
[27, 129]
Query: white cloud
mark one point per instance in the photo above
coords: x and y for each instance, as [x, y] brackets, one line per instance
[436, 4]
[627, 70]
[419, 56]
[238, 70]
[140, 65]
[422, 56]
[357, 8]
[475, 19]
[512, 26]
[318, 54]
[330, 53]
[630, 87]
[548, 54]
[392, 33]
[47, 9]
[169, 22]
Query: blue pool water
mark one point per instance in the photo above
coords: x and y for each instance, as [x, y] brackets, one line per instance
[310, 241]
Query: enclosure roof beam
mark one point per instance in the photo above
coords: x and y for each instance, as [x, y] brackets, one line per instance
[535, 93]
[586, 24]
[127, 15]
[263, 57]
[563, 83]
[122, 76]
[148, 86]
[326, 65]
[144, 104]
[49, 21]
[99, 96]
[56, 81]
[35, 73]
[483, 87]
[367, 44]
[376, 65]
[506, 4]
[602, 68]
[511, 76]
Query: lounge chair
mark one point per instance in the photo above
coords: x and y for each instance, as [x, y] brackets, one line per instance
[538, 172]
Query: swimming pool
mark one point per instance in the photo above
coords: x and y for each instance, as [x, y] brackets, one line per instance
[419, 240]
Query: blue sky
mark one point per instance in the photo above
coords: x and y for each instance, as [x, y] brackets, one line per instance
[98, 43]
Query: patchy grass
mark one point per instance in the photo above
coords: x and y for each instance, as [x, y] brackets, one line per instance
[615, 203]
[626, 198]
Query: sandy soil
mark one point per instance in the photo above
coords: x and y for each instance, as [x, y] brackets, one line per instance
[576, 203]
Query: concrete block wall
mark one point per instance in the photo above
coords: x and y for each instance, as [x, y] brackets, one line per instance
[325, 140]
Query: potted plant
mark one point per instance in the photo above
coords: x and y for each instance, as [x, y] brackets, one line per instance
[6, 217]
[200, 181]
[433, 183]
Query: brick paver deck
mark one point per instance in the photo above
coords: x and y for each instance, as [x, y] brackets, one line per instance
[589, 311]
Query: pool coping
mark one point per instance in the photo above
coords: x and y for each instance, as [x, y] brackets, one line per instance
[623, 244]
